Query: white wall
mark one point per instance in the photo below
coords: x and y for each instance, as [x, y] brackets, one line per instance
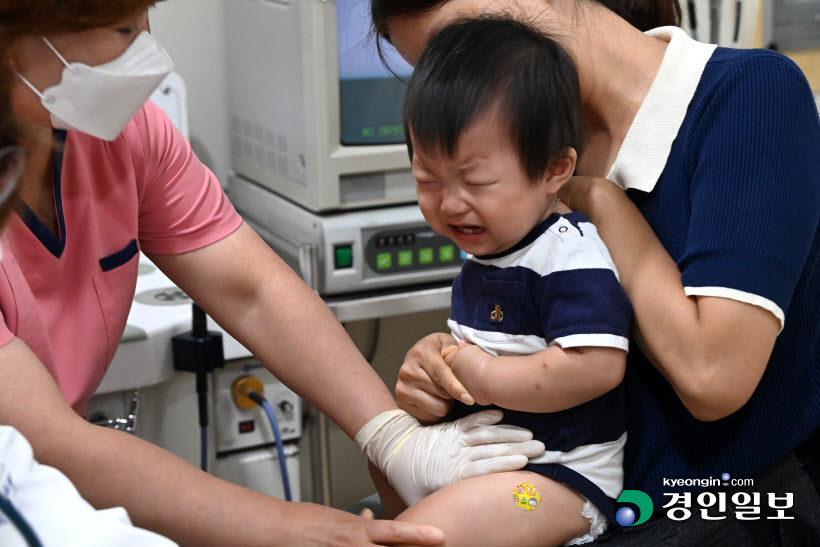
[192, 32]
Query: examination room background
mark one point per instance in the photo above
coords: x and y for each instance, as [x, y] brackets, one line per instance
[192, 32]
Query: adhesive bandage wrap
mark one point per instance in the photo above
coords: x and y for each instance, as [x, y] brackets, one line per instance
[391, 430]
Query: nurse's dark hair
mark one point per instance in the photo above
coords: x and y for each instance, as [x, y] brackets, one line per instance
[8, 129]
[501, 67]
[21, 17]
[642, 14]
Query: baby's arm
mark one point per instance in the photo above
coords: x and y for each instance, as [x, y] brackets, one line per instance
[548, 381]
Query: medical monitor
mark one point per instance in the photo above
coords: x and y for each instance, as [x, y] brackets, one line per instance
[315, 116]
[370, 96]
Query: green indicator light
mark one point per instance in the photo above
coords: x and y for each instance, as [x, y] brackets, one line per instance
[405, 258]
[368, 131]
[384, 261]
[344, 257]
[446, 253]
[426, 255]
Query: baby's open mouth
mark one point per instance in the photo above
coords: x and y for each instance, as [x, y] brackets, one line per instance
[467, 229]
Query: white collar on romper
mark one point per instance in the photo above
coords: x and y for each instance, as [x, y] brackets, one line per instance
[643, 154]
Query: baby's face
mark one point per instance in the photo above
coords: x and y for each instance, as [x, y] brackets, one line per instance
[480, 197]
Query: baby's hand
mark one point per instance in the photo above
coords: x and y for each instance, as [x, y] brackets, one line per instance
[468, 362]
[450, 349]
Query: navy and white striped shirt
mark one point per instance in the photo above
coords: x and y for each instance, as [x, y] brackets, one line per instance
[558, 286]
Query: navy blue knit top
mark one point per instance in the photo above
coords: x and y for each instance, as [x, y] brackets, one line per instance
[737, 207]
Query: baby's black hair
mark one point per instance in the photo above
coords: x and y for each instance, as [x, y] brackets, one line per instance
[475, 65]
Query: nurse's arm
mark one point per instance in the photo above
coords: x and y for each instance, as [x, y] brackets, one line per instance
[160, 491]
[713, 351]
[248, 290]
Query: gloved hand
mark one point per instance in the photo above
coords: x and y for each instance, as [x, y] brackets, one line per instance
[418, 460]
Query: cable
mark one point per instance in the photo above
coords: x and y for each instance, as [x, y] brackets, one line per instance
[203, 447]
[199, 351]
[200, 332]
[374, 341]
[202, 405]
[261, 401]
[19, 522]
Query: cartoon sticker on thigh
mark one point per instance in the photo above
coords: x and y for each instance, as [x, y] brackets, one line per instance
[526, 497]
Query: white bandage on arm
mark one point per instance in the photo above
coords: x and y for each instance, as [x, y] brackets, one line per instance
[391, 430]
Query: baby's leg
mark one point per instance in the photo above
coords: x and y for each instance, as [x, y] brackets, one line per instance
[482, 511]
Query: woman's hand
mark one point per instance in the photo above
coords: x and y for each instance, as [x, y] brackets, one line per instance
[584, 194]
[468, 364]
[427, 386]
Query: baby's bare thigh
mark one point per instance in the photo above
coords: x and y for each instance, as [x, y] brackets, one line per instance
[487, 511]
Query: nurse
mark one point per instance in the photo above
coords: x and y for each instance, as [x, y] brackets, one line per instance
[701, 169]
[38, 504]
[107, 176]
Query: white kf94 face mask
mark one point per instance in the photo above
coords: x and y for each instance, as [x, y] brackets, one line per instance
[100, 100]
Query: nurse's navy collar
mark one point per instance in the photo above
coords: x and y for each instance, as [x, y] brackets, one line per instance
[638, 165]
[53, 243]
[574, 218]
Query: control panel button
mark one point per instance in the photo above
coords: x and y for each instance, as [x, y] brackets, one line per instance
[405, 258]
[426, 255]
[286, 407]
[446, 253]
[384, 261]
[344, 257]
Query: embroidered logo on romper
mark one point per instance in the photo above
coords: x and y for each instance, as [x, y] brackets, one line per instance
[526, 497]
[497, 314]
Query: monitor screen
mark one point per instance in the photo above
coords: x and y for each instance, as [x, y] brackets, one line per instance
[370, 96]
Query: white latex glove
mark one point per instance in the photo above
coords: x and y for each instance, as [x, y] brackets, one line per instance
[418, 460]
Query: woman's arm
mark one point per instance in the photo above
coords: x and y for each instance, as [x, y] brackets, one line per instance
[548, 381]
[160, 491]
[713, 351]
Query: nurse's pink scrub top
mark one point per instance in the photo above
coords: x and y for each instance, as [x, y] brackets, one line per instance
[68, 296]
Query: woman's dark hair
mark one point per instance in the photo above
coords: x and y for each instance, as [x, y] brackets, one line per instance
[642, 14]
[499, 66]
[21, 17]
[646, 14]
